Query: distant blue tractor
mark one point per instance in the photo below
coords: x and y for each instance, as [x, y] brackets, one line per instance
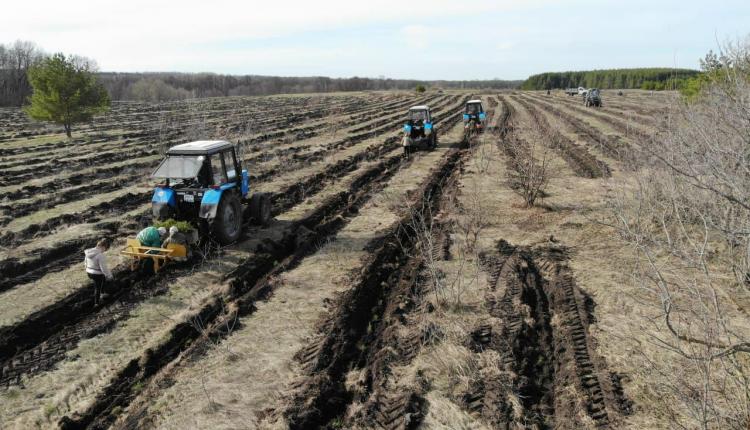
[202, 185]
[474, 118]
[418, 130]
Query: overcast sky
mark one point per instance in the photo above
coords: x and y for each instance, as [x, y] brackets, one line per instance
[423, 39]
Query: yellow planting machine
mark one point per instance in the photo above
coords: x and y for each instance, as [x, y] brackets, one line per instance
[160, 256]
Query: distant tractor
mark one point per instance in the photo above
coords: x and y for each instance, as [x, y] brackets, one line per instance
[572, 91]
[592, 98]
[474, 118]
[418, 130]
[204, 183]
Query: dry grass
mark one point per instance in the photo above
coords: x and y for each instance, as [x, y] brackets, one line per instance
[212, 392]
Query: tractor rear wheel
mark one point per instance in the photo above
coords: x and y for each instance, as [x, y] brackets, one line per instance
[260, 208]
[227, 226]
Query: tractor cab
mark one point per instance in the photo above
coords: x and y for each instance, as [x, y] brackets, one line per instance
[418, 130]
[474, 111]
[474, 117]
[419, 121]
[204, 183]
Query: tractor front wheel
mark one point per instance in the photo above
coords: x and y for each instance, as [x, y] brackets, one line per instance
[260, 208]
[227, 226]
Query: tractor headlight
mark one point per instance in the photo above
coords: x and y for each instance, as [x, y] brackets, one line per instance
[407, 128]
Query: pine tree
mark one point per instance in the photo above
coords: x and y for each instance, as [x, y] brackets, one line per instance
[65, 91]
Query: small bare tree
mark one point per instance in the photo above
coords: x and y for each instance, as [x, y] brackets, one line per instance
[529, 175]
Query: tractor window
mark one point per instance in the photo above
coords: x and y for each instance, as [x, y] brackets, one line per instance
[473, 108]
[179, 167]
[217, 170]
[230, 163]
[417, 115]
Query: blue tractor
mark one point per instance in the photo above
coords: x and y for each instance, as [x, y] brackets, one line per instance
[418, 130]
[474, 118]
[204, 183]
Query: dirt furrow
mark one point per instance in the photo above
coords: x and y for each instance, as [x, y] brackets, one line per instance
[249, 282]
[627, 129]
[321, 396]
[611, 146]
[582, 162]
[550, 374]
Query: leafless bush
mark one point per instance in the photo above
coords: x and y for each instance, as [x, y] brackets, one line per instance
[529, 175]
[687, 216]
[474, 214]
[483, 154]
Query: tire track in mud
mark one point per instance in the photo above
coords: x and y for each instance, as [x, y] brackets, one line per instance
[344, 340]
[34, 267]
[580, 160]
[626, 129]
[151, 114]
[32, 342]
[250, 282]
[30, 351]
[15, 177]
[115, 207]
[373, 129]
[17, 210]
[611, 146]
[126, 204]
[548, 374]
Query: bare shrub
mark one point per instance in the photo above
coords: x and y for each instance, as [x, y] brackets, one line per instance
[687, 217]
[474, 214]
[529, 175]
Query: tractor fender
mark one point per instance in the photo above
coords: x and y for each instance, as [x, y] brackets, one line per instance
[163, 202]
[210, 203]
[211, 199]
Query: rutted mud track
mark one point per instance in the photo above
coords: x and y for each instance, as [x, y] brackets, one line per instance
[354, 333]
[249, 283]
[33, 344]
[310, 185]
[641, 137]
[550, 375]
[612, 146]
[580, 160]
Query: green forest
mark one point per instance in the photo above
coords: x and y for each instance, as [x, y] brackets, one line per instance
[645, 78]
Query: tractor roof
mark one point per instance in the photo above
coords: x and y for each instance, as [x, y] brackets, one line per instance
[199, 147]
[420, 107]
[474, 101]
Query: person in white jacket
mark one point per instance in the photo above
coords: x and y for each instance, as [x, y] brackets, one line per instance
[96, 267]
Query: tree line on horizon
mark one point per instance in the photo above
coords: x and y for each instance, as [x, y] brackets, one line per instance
[166, 86]
[18, 58]
[654, 78]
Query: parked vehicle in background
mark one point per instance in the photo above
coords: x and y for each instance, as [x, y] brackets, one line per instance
[592, 98]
